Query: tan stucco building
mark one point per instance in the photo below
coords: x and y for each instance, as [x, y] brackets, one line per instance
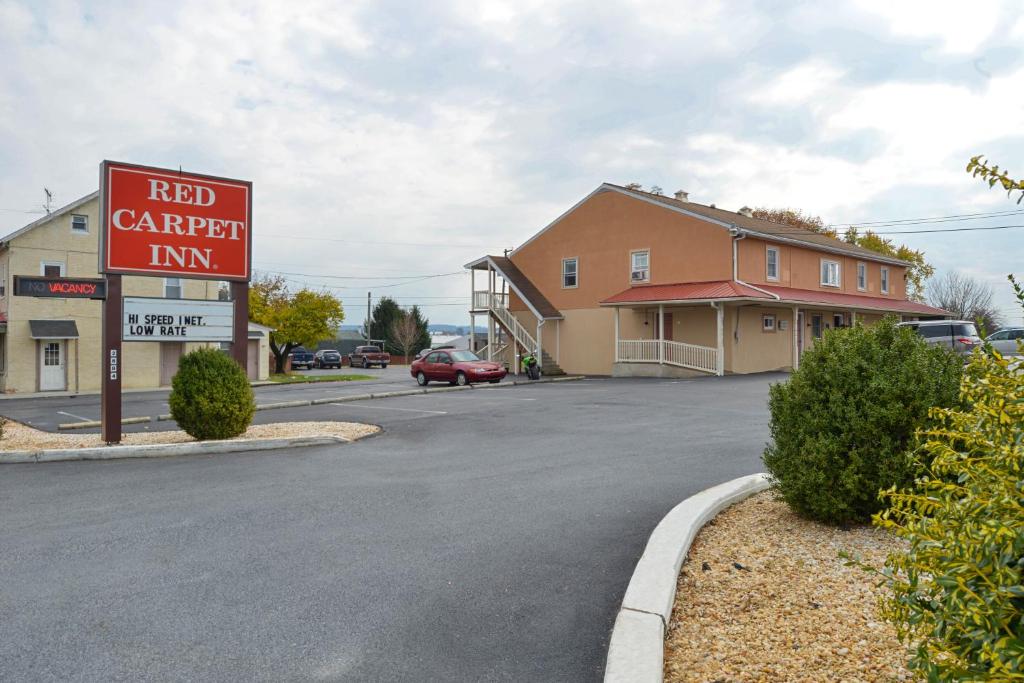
[54, 344]
[631, 283]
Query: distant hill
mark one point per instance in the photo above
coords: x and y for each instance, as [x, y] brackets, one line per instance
[433, 328]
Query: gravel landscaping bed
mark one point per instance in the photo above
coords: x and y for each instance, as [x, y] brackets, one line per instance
[791, 610]
[20, 437]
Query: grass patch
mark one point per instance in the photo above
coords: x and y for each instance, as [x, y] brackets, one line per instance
[292, 378]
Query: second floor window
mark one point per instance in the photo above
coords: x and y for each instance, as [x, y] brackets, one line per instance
[885, 280]
[862, 276]
[51, 268]
[172, 287]
[772, 263]
[79, 224]
[640, 266]
[570, 274]
[830, 273]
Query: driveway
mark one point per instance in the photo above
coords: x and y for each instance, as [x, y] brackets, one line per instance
[487, 535]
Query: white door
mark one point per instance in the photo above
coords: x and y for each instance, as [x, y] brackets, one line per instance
[51, 364]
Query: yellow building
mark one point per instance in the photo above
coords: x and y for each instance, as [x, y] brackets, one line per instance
[54, 344]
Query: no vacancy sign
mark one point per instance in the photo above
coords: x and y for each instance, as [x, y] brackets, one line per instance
[164, 222]
[194, 320]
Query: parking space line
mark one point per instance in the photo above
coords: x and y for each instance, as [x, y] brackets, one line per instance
[77, 417]
[407, 410]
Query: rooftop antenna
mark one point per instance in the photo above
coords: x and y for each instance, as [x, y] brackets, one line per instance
[49, 200]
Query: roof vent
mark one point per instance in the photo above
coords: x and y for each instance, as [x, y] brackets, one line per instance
[682, 195]
[746, 211]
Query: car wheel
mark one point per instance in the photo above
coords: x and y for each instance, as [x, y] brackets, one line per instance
[383, 365]
[494, 381]
[460, 378]
[421, 379]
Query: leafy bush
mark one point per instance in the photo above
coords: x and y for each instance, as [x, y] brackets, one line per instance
[958, 595]
[842, 425]
[210, 396]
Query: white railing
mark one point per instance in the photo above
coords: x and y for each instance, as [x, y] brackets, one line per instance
[512, 324]
[638, 350]
[485, 300]
[692, 356]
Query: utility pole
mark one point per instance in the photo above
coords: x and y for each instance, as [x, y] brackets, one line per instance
[48, 204]
[366, 328]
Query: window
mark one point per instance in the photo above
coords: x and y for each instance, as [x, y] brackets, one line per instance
[816, 325]
[862, 276]
[767, 323]
[432, 358]
[172, 287]
[3, 281]
[885, 280]
[79, 224]
[935, 331]
[640, 266]
[570, 274]
[772, 263]
[1000, 336]
[51, 268]
[838, 320]
[830, 273]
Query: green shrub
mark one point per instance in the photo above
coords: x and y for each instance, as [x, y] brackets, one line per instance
[210, 396]
[957, 596]
[841, 426]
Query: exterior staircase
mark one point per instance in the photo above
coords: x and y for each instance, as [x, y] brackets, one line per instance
[548, 366]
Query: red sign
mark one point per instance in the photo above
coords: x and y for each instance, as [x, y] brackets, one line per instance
[162, 222]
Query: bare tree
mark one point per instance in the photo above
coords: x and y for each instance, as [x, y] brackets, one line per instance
[966, 298]
[405, 333]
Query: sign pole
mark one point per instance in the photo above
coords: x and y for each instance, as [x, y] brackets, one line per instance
[240, 337]
[110, 388]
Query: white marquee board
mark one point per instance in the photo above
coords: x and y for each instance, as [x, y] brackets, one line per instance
[192, 320]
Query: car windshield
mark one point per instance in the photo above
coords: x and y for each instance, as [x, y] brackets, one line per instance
[464, 356]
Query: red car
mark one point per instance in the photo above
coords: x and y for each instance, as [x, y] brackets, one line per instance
[455, 367]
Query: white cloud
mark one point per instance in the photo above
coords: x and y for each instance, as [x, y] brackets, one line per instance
[961, 26]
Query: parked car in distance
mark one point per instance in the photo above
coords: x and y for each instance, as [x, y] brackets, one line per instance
[367, 356]
[456, 367]
[423, 352]
[960, 336]
[327, 358]
[302, 358]
[1005, 340]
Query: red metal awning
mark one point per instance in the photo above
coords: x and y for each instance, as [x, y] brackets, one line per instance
[725, 290]
[687, 291]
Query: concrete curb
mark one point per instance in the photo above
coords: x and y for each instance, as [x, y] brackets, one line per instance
[166, 450]
[92, 424]
[636, 650]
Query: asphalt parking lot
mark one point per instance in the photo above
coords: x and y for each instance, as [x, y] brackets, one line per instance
[486, 535]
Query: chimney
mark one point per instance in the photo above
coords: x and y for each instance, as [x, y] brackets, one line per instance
[746, 211]
[682, 195]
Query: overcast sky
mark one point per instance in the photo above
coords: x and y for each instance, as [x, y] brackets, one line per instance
[388, 139]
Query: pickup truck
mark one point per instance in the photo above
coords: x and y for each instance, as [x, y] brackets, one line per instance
[302, 358]
[365, 356]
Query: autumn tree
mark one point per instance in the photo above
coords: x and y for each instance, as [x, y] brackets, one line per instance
[966, 298]
[794, 218]
[301, 318]
[978, 167]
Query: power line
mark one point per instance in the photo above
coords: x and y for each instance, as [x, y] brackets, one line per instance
[807, 231]
[357, 242]
[956, 217]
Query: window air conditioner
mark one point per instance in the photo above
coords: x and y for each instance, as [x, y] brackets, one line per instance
[638, 275]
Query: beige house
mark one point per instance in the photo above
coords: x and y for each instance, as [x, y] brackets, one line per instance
[631, 283]
[54, 344]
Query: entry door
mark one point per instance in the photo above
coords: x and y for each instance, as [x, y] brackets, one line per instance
[170, 354]
[253, 362]
[668, 327]
[51, 365]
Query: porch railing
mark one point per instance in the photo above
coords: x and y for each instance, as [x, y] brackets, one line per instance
[680, 354]
[484, 300]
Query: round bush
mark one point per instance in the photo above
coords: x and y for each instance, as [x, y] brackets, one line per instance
[842, 426]
[210, 396]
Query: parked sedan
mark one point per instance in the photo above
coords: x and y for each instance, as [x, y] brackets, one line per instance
[1005, 340]
[327, 358]
[455, 367]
